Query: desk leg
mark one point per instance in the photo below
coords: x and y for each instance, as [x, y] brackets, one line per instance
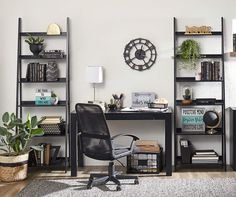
[168, 145]
[73, 145]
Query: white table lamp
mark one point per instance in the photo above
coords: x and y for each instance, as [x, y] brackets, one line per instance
[234, 34]
[94, 75]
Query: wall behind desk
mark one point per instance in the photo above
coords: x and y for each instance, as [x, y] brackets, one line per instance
[99, 32]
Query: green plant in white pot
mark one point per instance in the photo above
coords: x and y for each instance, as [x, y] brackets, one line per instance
[189, 53]
[15, 138]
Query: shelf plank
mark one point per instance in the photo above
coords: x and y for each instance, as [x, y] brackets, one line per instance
[220, 164]
[213, 33]
[60, 80]
[39, 57]
[32, 104]
[192, 79]
[41, 34]
[217, 102]
[202, 56]
[180, 132]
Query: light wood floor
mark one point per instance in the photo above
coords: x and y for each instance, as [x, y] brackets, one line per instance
[11, 189]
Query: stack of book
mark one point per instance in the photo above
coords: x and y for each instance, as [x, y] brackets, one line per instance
[36, 72]
[210, 70]
[52, 120]
[205, 156]
[43, 97]
[52, 54]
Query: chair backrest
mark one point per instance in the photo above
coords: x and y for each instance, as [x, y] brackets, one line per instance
[94, 133]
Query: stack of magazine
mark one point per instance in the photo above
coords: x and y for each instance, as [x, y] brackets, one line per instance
[205, 156]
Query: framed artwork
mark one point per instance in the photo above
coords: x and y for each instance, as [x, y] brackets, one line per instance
[192, 119]
[141, 99]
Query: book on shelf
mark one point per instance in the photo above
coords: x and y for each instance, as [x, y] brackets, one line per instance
[205, 161]
[205, 152]
[52, 120]
[210, 70]
[36, 72]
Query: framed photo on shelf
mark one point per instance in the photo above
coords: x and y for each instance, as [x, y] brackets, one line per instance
[192, 119]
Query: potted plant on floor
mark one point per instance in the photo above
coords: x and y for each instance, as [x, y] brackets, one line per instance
[35, 44]
[15, 138]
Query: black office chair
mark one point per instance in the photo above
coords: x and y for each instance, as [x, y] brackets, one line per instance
[97, 143]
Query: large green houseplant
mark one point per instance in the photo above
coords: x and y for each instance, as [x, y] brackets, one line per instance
[15, 138]
[189, 53]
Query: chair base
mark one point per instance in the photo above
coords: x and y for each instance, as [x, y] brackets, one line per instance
[102, 179]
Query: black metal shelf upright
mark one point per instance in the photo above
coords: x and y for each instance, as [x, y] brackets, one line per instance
[20, 103]
[220, 102]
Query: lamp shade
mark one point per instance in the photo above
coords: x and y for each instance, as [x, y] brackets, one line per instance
[234, 26]
[95, 74]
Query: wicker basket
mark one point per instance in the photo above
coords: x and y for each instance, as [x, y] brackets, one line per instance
[13, 168]
[53, 129]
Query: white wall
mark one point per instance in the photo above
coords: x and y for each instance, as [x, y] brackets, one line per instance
[99, 32]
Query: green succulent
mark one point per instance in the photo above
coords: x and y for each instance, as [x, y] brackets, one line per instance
[34, 40]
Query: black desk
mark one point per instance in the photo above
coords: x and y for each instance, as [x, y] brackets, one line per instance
[166, 116]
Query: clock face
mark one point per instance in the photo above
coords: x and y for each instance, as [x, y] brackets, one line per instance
[140, 54]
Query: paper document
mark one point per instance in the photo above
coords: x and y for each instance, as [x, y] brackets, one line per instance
[130, 109]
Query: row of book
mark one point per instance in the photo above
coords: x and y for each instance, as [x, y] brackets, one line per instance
[205, 156]
[210, 70]
[44, 158]
[36, 72]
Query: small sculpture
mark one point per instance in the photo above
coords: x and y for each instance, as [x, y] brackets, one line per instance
[187, 95]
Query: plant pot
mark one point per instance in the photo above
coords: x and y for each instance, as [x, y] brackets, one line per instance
[54, 100]
[13, 168]
[36, 48]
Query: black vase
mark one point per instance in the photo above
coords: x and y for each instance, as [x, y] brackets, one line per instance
[36, 48]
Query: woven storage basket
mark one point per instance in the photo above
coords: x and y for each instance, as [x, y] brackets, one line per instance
[53, 129]
[13, 168]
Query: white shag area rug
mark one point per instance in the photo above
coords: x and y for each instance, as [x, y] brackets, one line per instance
[148, 187]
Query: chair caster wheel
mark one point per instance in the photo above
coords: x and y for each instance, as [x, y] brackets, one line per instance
[136, 182]
[118, 188]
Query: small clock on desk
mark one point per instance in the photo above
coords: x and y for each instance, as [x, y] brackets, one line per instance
[140, 54]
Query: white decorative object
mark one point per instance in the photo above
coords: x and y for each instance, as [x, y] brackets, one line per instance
[94, 75]
[53, 29]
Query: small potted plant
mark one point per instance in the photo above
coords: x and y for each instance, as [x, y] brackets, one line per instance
[54, 99]
[15, 138]
[187, 95]
[35, 44]
[189, 53]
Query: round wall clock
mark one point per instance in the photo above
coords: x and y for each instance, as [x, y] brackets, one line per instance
[140, 54]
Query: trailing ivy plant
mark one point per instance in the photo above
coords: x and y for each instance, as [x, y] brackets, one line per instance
[15, 135]
[189, 53]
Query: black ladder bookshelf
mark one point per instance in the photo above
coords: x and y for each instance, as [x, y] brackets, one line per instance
[178, 80]
[21, 81]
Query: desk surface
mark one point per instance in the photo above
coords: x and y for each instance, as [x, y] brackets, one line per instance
[135, 115]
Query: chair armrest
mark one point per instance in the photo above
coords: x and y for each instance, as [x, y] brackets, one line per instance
[127, 135]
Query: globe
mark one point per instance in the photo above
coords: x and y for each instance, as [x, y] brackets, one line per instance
[211, 120]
